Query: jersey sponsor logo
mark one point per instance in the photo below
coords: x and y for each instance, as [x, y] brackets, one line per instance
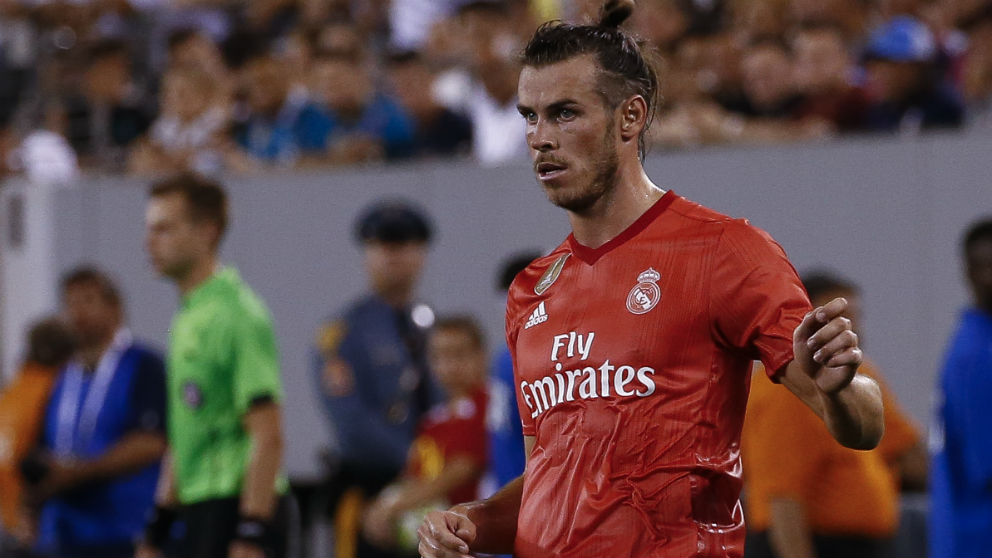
[551, 275]
[538, 316]
[645, 294]
[585, 380]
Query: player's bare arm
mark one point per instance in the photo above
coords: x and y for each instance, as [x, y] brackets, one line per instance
[487, 526]
[824, 374]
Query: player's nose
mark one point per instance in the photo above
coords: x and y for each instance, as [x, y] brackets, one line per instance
[540, 137]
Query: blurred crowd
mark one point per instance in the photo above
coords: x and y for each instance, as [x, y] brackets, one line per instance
[149, 86]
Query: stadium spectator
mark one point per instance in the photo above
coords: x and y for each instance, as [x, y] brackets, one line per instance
[809, 496]
[109, 111]
[906, 86]
[770, 100]
[977, 64]
[223, 472]
[961, 468]
[22, 410]
[104, 430]
[279, 128]
[191, 131]
[824, 73]
[661, 23]
[506, 438]
[448, 456]
[372, 370]
[361, 123]
[490, 102]
[439, 131]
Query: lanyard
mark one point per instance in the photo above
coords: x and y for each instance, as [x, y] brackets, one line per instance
[68, 437]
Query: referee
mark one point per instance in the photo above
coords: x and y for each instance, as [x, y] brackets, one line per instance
[222, 475]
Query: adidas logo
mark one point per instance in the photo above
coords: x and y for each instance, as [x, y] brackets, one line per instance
[539, 316]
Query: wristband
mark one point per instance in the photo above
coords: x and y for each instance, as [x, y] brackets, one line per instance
[159, 526]
[253, 531]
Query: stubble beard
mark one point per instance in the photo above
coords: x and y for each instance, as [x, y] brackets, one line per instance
[603, 181]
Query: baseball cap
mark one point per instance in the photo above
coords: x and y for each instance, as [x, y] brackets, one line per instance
[393, 221]
[902, 39]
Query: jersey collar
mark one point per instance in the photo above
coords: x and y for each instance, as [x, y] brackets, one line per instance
[591, 255]
[223, 275]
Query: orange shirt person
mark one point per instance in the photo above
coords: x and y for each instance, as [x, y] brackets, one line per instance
[808, 496]
[22, 409]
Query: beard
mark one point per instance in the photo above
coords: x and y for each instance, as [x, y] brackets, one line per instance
[602, 180]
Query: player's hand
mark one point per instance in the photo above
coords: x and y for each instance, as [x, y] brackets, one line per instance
[826, 348]
[446, 534]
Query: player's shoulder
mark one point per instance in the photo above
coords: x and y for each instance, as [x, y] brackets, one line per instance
[731, 234]
[535, 279]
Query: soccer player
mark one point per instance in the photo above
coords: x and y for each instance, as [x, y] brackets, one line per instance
[633, 340]
[222, 474]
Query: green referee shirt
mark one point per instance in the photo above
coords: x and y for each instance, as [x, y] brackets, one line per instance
[222, 357]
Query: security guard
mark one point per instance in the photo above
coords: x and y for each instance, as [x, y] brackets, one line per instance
[371, 366]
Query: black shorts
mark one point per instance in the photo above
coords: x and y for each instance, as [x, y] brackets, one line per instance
[210, 528]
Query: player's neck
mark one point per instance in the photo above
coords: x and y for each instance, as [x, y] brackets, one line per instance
[201, 271]
[633, 194]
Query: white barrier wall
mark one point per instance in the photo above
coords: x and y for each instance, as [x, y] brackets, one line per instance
[888, 213]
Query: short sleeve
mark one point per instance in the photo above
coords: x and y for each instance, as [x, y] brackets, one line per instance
[256, 362]
[512, 330]
[756, 297]
[148, 396]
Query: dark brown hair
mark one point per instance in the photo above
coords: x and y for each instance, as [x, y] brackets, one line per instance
[50, 343]
[979, 230]
[465, 324]
[204, 197]
[91, 276]
[624, 69]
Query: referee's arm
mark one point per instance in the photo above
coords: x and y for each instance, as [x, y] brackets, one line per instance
[263, 423]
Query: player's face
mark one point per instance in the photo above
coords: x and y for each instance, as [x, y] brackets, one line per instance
[175, 242]
[91, 316]
[570, 131]
[456, 361]
[979, 269]
[394, 267]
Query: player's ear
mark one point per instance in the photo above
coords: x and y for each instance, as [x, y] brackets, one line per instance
[633, 117]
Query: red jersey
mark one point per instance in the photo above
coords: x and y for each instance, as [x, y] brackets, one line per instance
[632, 366]
[450, 430]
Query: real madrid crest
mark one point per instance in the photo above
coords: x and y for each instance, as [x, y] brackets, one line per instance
[646, 293]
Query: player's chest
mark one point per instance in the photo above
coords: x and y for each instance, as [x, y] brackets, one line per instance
[642, 308]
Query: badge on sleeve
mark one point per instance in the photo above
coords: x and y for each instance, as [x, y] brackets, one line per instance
[329, 337]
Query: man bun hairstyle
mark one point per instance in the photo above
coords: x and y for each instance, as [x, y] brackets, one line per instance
[624, 69]
[615, 12]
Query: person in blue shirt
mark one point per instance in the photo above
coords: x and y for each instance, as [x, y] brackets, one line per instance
[506, 437]
[961, 438]
[103, 433]
[371, 366]
[362, 123]
[283, 125]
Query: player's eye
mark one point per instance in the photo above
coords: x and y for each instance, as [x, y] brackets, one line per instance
[566, 114]
[529, 116]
